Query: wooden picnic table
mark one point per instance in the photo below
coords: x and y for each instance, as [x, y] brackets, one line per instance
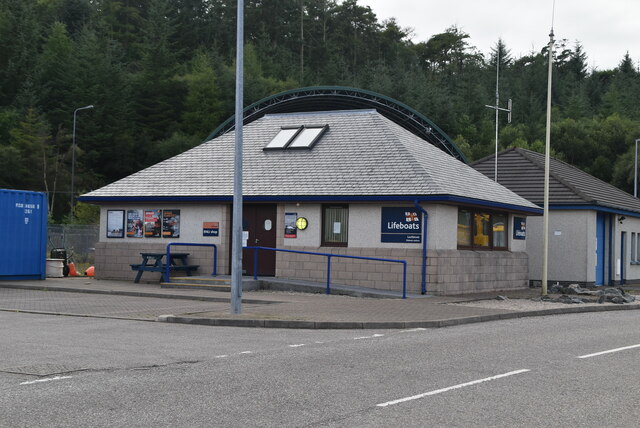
[154, 262]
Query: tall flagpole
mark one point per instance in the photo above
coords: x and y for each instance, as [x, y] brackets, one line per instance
[236, 242]
[545, 256]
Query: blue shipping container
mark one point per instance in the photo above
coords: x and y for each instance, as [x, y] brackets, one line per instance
[23, 234]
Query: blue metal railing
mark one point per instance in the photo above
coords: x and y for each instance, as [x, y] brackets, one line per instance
[329, 256]
[190, 244]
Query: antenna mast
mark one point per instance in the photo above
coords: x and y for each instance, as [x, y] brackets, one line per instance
[497, 108]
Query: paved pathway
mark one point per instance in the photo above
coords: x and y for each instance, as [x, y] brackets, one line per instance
[121, 299]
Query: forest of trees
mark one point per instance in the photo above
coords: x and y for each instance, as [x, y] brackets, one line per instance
[161, 75]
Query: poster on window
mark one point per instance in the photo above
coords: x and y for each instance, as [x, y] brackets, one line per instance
[519, 228]
[135, 224]
[401, 224]
[290, 229]
[152, 223]
[171, 223]
[115, 223]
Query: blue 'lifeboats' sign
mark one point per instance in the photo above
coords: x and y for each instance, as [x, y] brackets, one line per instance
[401, 224]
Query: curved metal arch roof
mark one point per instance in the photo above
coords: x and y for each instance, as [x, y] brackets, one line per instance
[328, 98]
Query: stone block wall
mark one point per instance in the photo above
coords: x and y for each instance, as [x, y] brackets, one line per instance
[113, 259]
[448, 271]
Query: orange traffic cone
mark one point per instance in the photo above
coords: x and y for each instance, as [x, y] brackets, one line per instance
[72, 269]
[89, 271]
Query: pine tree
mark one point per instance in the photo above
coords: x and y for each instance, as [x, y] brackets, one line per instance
[55, 75]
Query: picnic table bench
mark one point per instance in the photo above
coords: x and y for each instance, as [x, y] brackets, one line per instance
[154, 262]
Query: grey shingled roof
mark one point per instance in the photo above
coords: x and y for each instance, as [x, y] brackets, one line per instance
[523, 172]
[361, 154]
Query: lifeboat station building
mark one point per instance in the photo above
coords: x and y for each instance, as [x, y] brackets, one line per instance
[327, 170]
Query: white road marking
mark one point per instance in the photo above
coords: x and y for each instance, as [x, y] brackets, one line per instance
[49, 379]
[609, 351]
[368, 337]
[412, 330]
[439, 391]
[221, 356]
[319, 342]
[246, 352]
[296, 346]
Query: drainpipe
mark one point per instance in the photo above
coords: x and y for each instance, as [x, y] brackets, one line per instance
[424, 246]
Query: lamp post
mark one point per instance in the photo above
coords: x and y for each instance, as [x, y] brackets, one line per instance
[545, 219]
[236, 241]
[73, 156]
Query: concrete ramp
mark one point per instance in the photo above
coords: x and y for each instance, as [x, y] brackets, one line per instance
[223, 283]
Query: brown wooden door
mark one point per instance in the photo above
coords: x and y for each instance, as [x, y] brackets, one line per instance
[260, 222]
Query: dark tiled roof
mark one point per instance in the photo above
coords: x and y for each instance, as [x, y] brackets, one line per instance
[522, 171]
[361, 154]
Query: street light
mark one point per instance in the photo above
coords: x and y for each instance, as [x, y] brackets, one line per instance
[73, 156]
[547, 149]
[236, 240]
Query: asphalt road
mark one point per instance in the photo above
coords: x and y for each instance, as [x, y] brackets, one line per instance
[79, 372]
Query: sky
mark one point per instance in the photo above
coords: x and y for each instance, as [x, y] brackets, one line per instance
[605, 29]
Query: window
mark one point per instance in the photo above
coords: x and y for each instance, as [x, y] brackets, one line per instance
[500, 230]
[307, 137]
[464, 228]
[482, 230]
[635, 248]
[297, 137]
[283, 138]
[482, 222]
[335, 225]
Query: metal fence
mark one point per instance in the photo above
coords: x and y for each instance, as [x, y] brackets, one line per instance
[79, 240]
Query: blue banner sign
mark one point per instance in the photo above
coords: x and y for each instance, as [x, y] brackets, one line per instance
[519, 228]
[401, 224]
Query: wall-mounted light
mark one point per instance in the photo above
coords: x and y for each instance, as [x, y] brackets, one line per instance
[621, 219]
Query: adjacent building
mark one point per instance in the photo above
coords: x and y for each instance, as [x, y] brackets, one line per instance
[594, 227]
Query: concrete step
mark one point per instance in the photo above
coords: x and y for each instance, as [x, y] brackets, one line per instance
[208, 283]
[212, 287]
[200, 282]
[201, 279]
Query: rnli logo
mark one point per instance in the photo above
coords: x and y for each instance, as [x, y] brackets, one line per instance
[411, 216]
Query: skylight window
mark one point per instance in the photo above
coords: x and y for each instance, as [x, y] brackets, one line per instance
[307, 138]
[301, 137]
[283, 138]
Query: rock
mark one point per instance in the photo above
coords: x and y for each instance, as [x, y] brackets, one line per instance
[569, 300]
[556, 289]
[615, 295]
[576, 289]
